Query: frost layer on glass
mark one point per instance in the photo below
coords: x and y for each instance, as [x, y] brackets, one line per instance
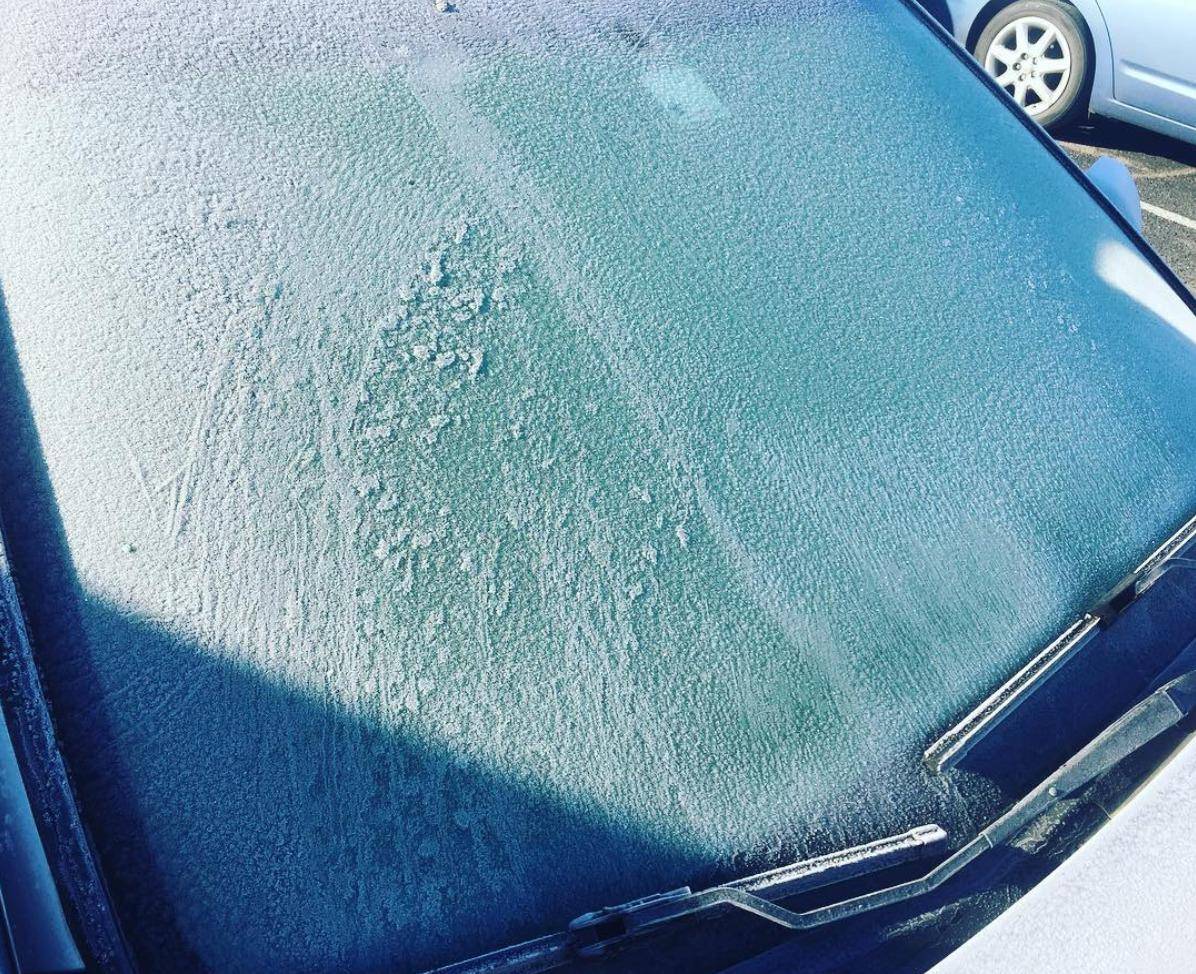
[525, 458]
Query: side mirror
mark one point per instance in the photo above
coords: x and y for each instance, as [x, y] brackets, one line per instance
[1113, 179]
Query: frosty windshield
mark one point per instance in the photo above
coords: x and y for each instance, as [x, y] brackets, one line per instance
[544, 454]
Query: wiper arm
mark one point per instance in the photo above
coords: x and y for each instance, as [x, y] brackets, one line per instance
[599, 932]
[596, 934]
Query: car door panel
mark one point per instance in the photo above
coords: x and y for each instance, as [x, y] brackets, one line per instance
[1154, 55]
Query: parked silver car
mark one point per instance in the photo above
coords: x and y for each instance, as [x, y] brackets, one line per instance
[1133, 60]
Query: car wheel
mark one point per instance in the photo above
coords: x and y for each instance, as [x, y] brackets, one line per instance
[1039, 52]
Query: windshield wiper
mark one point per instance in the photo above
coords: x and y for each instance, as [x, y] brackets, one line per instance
[595, 934]
[951, 748]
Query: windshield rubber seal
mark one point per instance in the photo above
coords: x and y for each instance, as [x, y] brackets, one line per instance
[67, 844]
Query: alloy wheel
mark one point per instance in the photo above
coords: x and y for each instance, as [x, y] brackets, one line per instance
[1032, 60]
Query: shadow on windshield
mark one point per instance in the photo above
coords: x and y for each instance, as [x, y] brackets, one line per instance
[278, 831]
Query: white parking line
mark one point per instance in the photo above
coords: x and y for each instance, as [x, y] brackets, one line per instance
[1158, 211]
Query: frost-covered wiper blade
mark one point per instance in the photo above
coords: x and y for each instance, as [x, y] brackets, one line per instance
[949, 749]
[595, 934]
[598, 932]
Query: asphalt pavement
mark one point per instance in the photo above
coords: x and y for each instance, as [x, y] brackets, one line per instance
[1165, 171]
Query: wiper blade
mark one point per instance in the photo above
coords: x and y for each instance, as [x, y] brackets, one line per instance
[613, 926]
[596, 934]
[950, 749]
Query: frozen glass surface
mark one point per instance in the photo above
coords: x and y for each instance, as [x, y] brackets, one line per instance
[527, 457]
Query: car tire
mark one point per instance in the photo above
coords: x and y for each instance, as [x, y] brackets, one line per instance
[1039, 52]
